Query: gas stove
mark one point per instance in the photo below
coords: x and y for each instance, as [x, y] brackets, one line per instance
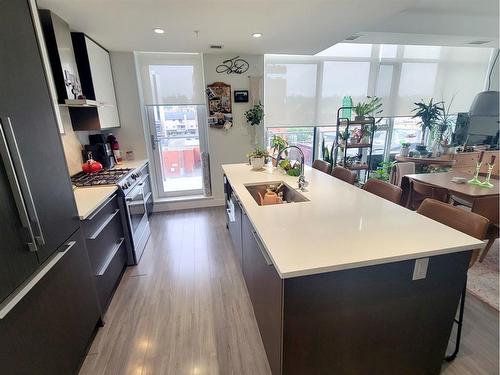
[105, 177]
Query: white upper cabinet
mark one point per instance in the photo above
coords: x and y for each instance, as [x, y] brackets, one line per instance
[102, 79]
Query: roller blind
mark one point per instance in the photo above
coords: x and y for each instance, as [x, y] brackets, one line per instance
[307, 90]
[171, 78]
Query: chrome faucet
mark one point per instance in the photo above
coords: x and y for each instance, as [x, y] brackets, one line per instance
[302, 180]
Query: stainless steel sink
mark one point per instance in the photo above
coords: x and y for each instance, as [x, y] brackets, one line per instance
[289, 194]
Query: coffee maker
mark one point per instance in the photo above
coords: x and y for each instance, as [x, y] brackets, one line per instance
[101, 151]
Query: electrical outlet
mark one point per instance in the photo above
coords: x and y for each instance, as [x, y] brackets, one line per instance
[420, 270]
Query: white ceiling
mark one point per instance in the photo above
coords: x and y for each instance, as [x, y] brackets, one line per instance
[289, 26]
[439, 22]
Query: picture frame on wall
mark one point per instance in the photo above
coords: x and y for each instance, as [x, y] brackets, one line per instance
[241, 96]
[219, 105]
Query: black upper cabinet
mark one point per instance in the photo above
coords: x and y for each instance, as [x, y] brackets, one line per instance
[31, 134]
[57, 37]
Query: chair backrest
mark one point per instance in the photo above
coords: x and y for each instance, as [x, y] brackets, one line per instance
[384, 190]
[322, 165]
[487, 207]
[399, 170]
[419, 191]
[344, 174]
[464, 221]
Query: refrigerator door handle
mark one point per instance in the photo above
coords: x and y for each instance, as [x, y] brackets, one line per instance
[11, 142]
[16, 188]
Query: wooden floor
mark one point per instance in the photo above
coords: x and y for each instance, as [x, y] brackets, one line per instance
[185, 310]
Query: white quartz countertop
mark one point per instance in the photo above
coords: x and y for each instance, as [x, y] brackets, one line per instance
[341, 227]
[88, 199]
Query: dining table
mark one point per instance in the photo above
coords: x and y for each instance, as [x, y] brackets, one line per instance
[464, 191]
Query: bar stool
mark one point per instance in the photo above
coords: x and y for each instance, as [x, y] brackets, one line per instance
[384, 190]
[420, 191]
[322, 166]
[344, 174]
[467, 222]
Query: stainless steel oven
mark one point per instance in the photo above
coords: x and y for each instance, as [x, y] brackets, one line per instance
[136, 199]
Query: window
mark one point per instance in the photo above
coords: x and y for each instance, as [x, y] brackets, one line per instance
[342, 78]
[291, 93]
[348, 50]
[388, 51]
[173, 92]
[303, 138]
[422, 52]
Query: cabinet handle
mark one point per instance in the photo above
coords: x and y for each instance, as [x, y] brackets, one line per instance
[29, 284]
[110, 257]
[15, 186]
[262, 250]
[103, 225]
[102, 206]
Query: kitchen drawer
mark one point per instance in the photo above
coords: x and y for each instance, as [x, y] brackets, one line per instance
[109, 275]
[104, 241]
[100, 216]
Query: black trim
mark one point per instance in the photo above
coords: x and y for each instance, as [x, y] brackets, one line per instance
[49, 35]
[83, 64]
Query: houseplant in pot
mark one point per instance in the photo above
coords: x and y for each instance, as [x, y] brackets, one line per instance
[371, 107]
[258, 158]
[429, 114]
[405, 148]
[255, 115]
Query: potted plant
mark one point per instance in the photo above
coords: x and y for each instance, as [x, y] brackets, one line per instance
[327, 153]
[405, 148]
[371, 107]
[429, 114]
[258, 158]
[356, 136]
[343, 137]
[291, 169]
[443, 130]
[255, 115]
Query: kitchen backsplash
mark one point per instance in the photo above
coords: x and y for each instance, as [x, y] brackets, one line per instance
[72, 143]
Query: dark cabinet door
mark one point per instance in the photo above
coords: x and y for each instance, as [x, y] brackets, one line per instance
[265, 288]
[234, 225]
[16, 261]
[27, 110]
[48, 330]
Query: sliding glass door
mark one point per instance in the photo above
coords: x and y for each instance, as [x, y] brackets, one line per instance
[174, 97]
[177, 144]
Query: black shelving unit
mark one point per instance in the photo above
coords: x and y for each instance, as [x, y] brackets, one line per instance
[340, 150]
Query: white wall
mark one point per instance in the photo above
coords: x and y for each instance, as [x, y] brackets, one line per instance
[131, 134]
[231, 146]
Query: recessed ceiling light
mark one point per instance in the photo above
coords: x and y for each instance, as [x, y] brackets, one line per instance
[257, 35]
[159, 30]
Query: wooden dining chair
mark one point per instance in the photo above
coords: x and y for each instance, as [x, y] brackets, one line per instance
[384, 190]
[322, 166]
[420, 191]
[488, 207]
[464, 221]
[344, 174]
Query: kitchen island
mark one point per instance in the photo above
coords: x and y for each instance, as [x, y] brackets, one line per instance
[345, 282]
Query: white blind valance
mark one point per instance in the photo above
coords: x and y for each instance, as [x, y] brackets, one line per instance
[308, 90]
[171, 78]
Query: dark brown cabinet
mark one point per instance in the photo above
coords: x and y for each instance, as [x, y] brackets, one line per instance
[265, 288]
[104, 238]
[234, 212]
[49, 330]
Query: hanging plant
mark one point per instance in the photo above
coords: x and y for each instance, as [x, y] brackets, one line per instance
[255, 115]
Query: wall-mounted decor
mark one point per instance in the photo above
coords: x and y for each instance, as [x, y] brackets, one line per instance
[219, 105]
[241, 96]
[236, 65]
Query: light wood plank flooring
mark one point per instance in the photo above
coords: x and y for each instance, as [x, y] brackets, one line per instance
[185, 310]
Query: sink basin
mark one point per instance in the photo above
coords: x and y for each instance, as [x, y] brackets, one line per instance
[290, 195]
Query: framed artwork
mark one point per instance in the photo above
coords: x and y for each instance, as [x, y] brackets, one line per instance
[241, 96]
[220, 114]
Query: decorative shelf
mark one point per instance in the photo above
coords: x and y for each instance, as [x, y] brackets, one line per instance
[358, 145]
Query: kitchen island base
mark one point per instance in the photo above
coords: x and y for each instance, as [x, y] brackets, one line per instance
[369, 320]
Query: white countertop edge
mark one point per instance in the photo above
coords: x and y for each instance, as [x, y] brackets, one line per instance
[101, 198]
[375, 262]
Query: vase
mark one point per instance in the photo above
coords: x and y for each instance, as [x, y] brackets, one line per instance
[405, 151]
[359, 118]
[257, 163]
